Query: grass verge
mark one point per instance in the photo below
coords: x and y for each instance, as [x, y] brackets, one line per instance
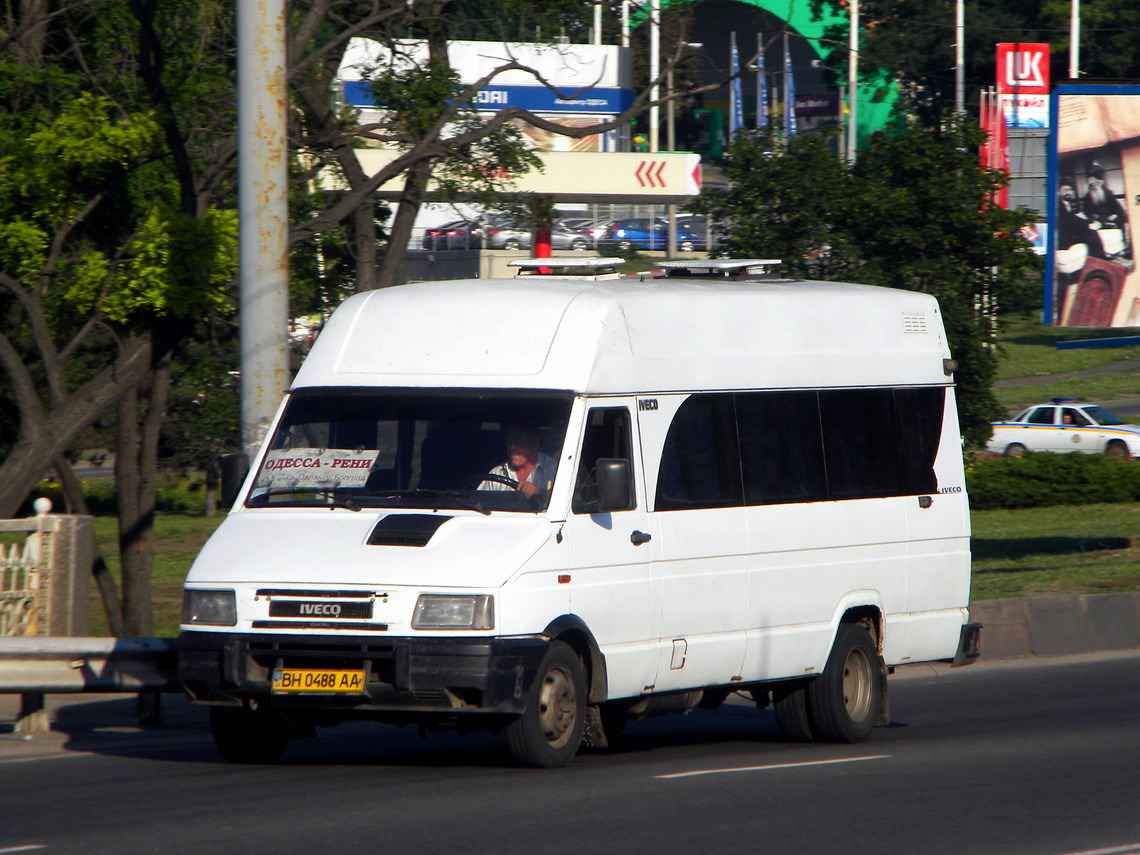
[1060, 550]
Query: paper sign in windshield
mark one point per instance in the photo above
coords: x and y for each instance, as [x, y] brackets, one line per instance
[315, 468]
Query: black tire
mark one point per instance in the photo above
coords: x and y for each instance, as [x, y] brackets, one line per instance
[1014, 449]
[549, 732]
[1117, 449]
[687, 246]
[624, 245]
[248, 736]
[789, 702]
[579, 245]
[511, 243]
[844, 701]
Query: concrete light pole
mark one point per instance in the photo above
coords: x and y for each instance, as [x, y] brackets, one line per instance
[263, 215]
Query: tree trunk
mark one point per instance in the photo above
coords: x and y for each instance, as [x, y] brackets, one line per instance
[137, 472]
[391, 265]
[364, 227]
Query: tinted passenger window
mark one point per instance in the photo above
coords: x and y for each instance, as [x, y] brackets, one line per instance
[1041, 416]
[762, 448]
[861, 442]
[700, 463]
[781, 447]
[920, 430]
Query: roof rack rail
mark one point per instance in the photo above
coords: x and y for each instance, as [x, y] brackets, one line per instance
[722, 267]
[568, 267]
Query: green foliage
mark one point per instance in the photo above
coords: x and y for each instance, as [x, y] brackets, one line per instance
[177, 494]
[1044, 479]
[913, 212]
[179, 266]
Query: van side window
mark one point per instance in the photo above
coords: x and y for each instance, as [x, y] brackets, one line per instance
[607, 435]
[700, 463]
[781, 447]
[920, 413]
[800, 446]
[861, 443]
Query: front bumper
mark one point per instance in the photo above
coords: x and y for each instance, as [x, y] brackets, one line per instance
[419, 675]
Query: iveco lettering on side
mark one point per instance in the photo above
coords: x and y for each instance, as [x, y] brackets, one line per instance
[649, 495]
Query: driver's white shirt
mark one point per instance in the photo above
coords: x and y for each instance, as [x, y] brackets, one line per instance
[542, 476]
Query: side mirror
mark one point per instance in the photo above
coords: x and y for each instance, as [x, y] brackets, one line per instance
[234, 469]
[615, 484]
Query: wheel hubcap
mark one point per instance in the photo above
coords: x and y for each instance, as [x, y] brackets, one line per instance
[857, 685]
[557, 706]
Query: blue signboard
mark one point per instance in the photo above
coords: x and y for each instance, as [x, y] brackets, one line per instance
[537, 99]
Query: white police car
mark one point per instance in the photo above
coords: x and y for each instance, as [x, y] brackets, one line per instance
[1066, 424]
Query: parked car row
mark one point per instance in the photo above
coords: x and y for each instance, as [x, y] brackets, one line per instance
[577, 234]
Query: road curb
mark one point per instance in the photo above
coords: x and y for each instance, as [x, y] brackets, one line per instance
[1058, 625]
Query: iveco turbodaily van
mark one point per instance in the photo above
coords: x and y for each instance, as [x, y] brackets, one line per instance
[744, 486]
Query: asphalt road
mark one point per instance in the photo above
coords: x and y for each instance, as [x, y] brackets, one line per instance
[1039, 758]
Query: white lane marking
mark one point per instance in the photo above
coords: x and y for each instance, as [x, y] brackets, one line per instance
[775, 766]
[27, 848]
[1128, 849]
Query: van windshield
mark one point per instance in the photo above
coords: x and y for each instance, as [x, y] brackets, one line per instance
[371, 448]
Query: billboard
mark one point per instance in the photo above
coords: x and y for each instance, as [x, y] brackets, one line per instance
[1094, 174]
[574, 85]
[1023, 84]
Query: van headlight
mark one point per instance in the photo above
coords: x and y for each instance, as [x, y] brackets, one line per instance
[448, 611]
[209, 608]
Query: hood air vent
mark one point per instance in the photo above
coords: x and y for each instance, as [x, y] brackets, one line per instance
[406, 529]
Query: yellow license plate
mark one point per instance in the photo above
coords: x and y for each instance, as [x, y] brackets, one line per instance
[317, 681]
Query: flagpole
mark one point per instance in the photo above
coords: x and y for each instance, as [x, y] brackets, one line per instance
[853, 82]
[1075, 39]
[761, 85]
[733, 68]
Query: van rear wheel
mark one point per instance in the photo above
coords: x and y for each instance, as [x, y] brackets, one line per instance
[549, 731]
[844, 701]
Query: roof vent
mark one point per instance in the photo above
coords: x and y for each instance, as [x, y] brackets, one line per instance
[406, 529]
[723, 268]
[568, 267]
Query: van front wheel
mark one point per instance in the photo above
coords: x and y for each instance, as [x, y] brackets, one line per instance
[549, 731]
[844, 700]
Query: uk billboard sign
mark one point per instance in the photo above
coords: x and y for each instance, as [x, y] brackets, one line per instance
[1023, 84]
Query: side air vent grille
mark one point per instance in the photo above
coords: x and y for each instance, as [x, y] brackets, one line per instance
[406, 529]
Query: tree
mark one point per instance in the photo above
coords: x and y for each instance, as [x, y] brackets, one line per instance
[914, 212]
[114, 239]
[117, 224]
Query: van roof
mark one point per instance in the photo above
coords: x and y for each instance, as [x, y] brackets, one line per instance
[630, 336]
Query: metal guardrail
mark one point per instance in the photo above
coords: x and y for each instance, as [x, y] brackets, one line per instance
[34, 667]
[63, 665]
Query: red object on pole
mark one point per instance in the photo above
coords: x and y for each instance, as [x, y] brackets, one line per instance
[542, 248]
[542, 239]
[995, 153]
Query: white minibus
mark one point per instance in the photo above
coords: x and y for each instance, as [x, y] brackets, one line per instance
[550, 505]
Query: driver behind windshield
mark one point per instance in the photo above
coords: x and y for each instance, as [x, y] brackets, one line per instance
[527, 469]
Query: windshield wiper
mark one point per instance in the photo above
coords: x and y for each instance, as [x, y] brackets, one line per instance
[330, 499]
[458, 497]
